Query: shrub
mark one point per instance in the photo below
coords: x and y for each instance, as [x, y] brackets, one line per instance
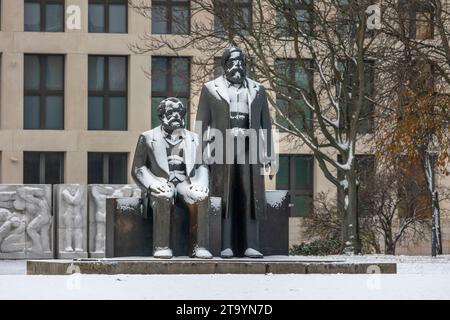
[321, 247]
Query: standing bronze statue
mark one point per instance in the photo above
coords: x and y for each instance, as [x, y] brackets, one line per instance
[234, 106]
[165, 168]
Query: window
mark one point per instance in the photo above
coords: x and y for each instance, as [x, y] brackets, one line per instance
[345, 24]
[107, 93]
[295, 15]
[170, 78]
[108, 16]
[44, 15]
[107, 168]
[44, 92]
[233, 15]
[422, 78]
[294, 81]
[296, 175]
[350, 89]
[43, 167]
[171, 17]
[419, 18]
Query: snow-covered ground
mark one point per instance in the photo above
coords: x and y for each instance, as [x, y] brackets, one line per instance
[417, 278]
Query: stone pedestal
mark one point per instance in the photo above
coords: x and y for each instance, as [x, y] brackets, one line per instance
[70, 204]
[26, 222]
[97, 195]
[267, 265]
[274, 227]
[129, 231]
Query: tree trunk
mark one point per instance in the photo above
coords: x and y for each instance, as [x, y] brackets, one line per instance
[350, 225]
[436, 225]
[389, 244]
[436, 238]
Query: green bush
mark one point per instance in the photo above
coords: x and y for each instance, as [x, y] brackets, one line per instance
[322, 247]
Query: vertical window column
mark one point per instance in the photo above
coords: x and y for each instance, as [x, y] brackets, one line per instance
[43, 167]
[107, 168]
[44, 92]
[296, 175]
[107, 102]
[44, 15]
[171, 17]
[170, 78]
[108, 16]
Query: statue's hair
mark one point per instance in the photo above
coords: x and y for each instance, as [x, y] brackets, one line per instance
[163, 104]
[227, 54]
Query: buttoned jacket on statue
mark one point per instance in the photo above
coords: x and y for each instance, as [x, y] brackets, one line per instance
[214, 113]
[151, 164]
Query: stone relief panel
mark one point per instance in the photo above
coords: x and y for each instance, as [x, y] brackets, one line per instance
[26, 222]
[71, 217]
[97, 212]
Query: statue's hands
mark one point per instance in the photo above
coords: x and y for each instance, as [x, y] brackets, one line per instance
[162, 190]
[192, 193]
[198, 192]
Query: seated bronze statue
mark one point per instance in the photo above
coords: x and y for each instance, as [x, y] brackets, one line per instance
[164, 167]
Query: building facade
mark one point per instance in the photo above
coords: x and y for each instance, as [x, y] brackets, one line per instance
[74, 97]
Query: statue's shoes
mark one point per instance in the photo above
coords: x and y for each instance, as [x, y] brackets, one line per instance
[68, 249]
[163, 253]
[202, 253]
[227, 253]
[252, 253]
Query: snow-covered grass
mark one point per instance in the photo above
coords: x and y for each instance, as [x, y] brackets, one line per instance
[417, 278]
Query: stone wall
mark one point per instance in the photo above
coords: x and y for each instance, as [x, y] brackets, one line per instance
[37, 222]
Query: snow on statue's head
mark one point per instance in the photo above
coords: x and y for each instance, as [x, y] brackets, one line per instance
[171, 113]
[234, 65]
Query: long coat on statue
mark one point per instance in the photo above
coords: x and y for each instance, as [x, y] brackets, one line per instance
[214, 113]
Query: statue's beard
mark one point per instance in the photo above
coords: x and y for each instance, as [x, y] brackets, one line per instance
[234, 75]
[173, 124]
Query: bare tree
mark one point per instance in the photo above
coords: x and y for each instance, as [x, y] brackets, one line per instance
[391, 212]
[419, 125]
[312, 56]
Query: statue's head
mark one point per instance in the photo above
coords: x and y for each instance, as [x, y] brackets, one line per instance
[72, 188]
[171, 112]
[234, 65]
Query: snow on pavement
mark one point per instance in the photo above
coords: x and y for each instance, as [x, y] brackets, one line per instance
[417, 278]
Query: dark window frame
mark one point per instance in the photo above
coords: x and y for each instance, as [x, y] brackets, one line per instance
[106, 4]
[292, 65]
[297, 6]
[412, 8]
[42, 92]
[169, 92]
[42, 160]
[169, 4]
[105, 165]
[220, 6]
[293, 191]
[42, 4]
[349, 82]
[106, 93]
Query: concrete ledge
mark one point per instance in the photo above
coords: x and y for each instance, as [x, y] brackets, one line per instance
[195, 266]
